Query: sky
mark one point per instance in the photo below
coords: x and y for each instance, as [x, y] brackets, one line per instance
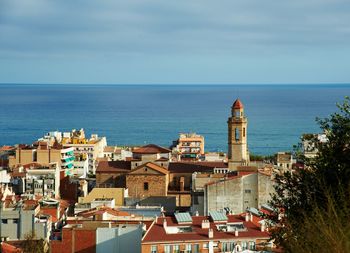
[175, 42]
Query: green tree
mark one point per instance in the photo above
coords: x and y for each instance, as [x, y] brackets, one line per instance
[312, 206]
[33, 245]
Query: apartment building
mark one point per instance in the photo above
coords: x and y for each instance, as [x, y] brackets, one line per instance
[92, 148]
[205, 234]
[44, 154]
[21, 218]
[42, 180]
[114, 153]
[189, 146]
[285, 160]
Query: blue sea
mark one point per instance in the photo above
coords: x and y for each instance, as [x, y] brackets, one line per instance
[139, 114]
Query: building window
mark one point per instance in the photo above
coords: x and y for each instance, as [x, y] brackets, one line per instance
[243, 131]
[228, 246]
[167, 249]
[236, 134]
[252, 245]
[248, 191]
[4, 221]
[145, 186]
[176, 248]
[195, 248]
[154, 249]
[244, 245]
[188, 248]
[195, 200]
[224, 247]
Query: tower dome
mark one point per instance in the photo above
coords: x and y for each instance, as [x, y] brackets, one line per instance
[237, 104]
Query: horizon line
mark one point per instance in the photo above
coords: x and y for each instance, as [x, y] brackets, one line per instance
[179, 84]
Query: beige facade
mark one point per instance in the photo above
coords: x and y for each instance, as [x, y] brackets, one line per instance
[44, 155]
[107, 193]
[190, 146]
[247, 190]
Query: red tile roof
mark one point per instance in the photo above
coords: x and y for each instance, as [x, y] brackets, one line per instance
[151, 149]
[113, 166]
[191, 167]
[6, 247]
[50, 211]
[157, 233]
[153, 166]
[102, 210]
[237, 104]
[6, 148]
[162, 159]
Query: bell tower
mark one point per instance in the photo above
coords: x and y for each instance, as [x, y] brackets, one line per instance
[237, 136]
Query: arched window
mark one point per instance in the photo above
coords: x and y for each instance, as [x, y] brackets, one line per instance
[236, 134]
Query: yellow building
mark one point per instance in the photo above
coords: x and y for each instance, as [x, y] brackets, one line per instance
[105, 193]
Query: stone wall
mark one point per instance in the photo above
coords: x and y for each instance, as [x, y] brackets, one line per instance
[157, 185]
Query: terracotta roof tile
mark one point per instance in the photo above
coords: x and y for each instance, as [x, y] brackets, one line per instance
[151, 149]
[102, 210]
[237, 104]
[156, 233]
[153, 166]
[6, 148]
[113, 166]
[191, 167]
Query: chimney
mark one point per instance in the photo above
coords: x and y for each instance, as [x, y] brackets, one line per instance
[210, 233]
[236, 233]
[109, 224]
[205, 224]
[263, 227]
[196, 213]
[251, 217]
[247, 216]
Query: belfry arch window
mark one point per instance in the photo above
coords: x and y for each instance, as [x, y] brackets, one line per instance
[236, 134]
[243, 131]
